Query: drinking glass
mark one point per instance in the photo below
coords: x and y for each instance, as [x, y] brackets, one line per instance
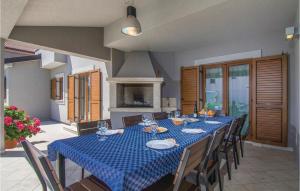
[177, 114]
[153, 126]
[102, 126]
[205, 116]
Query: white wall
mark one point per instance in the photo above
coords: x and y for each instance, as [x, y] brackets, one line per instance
[59, 108]
[270, 44]
[28, 88]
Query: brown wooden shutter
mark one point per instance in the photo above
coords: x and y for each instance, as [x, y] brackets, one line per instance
[95, 102]
[189, 89]
[270, 100]
[61, 93]
[53, 89]
[71, 98]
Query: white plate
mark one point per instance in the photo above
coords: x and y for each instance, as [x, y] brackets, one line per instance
[213, 122]
[193, 131]
[110, 132]
[160, 144]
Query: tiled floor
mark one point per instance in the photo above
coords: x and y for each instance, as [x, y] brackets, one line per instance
[262, 169]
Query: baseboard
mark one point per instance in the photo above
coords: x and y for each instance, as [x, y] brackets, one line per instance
[271, 146]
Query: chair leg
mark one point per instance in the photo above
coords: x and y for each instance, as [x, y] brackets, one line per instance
[241, 147]
[234, 158]
[237, 152]
[227, 165]
[206, 185]
[219, 177]
[82, 173]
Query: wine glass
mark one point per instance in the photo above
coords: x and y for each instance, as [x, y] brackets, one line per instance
[102, 126]
[177, 114]
[153, 126]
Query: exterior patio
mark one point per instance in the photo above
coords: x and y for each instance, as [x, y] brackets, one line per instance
[131, 95]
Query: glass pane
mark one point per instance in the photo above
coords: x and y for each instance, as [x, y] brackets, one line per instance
[239, 90]
[82, 98]
[214, 88]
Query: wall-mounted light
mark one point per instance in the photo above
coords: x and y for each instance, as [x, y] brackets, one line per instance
[291, 33]
[131, 25]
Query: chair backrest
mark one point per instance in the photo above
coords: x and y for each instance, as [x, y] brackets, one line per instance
[84, 128]
[132, 120]
[160, 115]
[42, 166]
[191, 158]
[243, 119]
[231, 131]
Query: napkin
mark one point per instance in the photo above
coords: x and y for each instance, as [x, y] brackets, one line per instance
[193, 131]
[120, 131]
[172, 141]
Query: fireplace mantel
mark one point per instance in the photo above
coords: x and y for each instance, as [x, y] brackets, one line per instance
[135, 80]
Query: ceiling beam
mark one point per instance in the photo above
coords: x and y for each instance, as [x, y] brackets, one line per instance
[87, 41]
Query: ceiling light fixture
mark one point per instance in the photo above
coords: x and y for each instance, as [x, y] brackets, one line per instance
[131, 26]
[291, 33]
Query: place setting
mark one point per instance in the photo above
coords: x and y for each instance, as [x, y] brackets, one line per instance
[103, 132]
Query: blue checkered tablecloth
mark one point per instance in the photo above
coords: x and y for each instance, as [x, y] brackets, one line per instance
[122, 161]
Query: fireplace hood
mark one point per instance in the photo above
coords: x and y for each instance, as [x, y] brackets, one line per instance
[136, 88]
[137, 64]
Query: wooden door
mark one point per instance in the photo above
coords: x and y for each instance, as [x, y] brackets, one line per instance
[269, 100]
[71, 98]
[189, 89]
[95, 97]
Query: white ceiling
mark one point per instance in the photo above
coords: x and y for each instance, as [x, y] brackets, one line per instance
[168, 25]
[93, 13]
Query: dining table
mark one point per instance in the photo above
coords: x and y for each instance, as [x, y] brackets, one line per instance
[123, 161]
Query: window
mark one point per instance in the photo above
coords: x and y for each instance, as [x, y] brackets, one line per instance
[57, 88]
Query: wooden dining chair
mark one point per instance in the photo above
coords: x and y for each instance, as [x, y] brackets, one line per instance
[229, 146]
[132, 120]
[84, 128]
[211, 166]
[48, 178]
[160, 115]
[191, 158]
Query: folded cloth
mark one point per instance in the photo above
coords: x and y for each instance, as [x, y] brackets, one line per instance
[120, 131]
[172, 141]
[193, 131]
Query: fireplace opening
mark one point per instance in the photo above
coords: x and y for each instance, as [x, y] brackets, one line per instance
[134, 95]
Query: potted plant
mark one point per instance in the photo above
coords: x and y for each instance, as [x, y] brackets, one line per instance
[18, 126]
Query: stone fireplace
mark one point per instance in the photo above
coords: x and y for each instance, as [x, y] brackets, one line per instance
[136, 88]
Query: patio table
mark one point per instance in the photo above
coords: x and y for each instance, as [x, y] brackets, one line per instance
[122, 161]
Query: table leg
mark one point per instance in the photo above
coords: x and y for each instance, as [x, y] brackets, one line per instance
[61, 169]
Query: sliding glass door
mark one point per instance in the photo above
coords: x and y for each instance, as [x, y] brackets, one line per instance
[227, 87]
[238, 90]
[214, 88]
